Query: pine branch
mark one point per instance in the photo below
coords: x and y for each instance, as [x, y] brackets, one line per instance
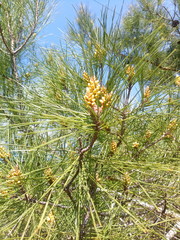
[144, 204]
[153, 63]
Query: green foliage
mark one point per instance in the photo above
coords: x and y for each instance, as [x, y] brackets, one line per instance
[91, 143]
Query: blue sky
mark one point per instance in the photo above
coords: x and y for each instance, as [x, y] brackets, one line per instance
[65, 10]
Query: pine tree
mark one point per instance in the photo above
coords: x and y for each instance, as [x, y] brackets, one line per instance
[95, 155]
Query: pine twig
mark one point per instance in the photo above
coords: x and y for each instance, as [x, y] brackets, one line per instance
[81, 155]
[33, 200]
[4, 40]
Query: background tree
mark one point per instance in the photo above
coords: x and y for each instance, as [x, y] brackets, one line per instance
[20, 23]
[98, 157]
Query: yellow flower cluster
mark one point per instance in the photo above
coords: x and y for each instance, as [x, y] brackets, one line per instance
[135, 145]
[4, 193]
[148, 134]
[113, 146]
[97, 95]
[127, 178]
[49, 175]
[50, 218]
[177, 80]
[172, 125]
[98, 179]
[3, 153]
[99, 53]
[130, 71]
[92, 91]
[15, 176]
[147, 92]
[170, 128]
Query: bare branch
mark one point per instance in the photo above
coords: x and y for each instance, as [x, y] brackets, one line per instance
[91, 143]
[11, 37]
[163, 68]
[33, 200]
[4, 40]
[153, 143]
[32, 30]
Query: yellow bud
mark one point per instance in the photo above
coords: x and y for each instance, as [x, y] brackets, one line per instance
[86, 76]
[130, 71]
[15, 176]
[98, 179]
[135, 145]
[113, 146]
[4, 193]
[148, 134]
[103, 90]
[27, 75]
[168, 136]
[173, 125]
[126, 178]
[99, 52]
[50, 218]
[177, 81]
[49, 175]
[14, 172]
[3, 153]
[147, 92]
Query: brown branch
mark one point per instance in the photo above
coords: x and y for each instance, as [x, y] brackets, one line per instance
[91, 143]
[81, 155]
[33, 200]
[163, 68]
[4, 40]
[11, 37]
[49, 203]
[14, 67]
[153, 143]
[11, 48]
[83, 225]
